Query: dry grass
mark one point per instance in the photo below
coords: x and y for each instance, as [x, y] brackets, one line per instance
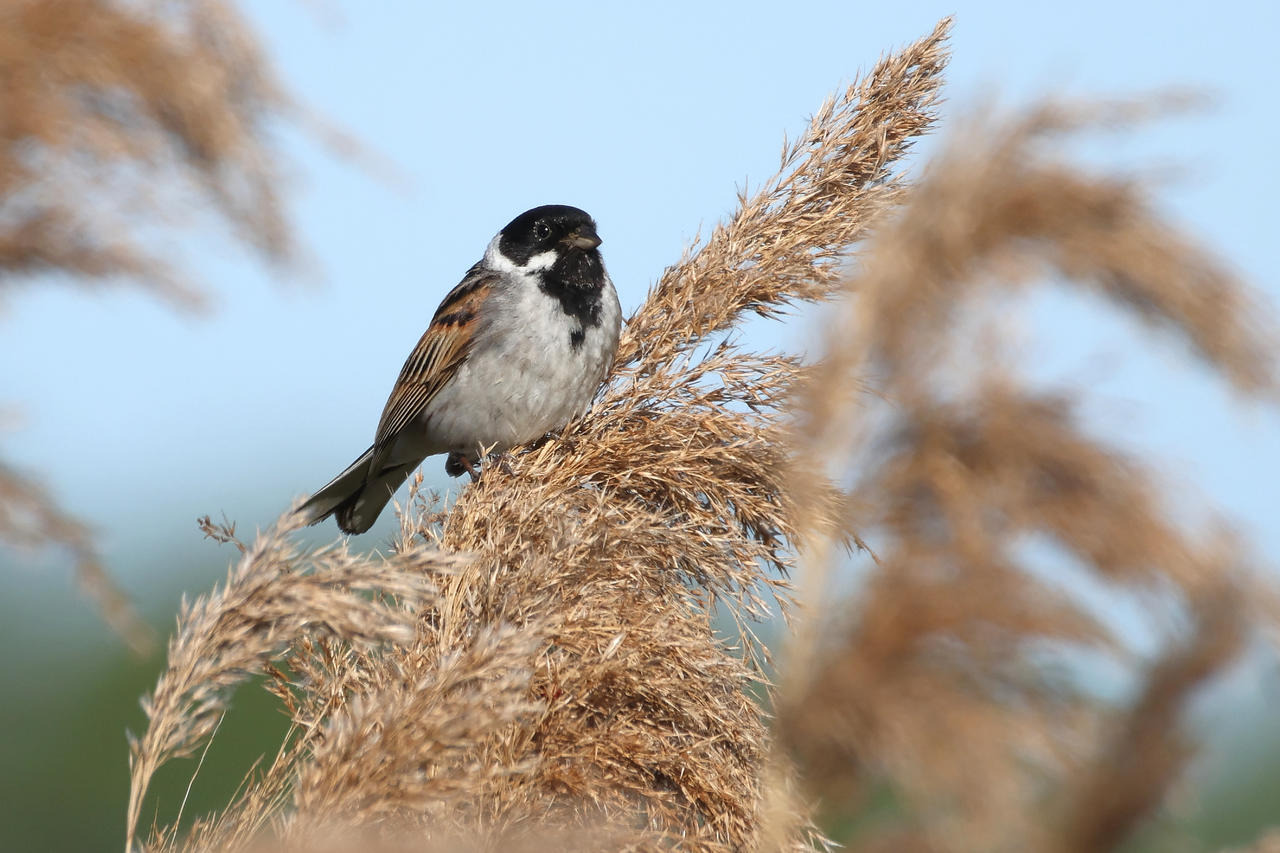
[119, 122]
[931, 680]
[117, 118]
[559, 682]
[274, 599]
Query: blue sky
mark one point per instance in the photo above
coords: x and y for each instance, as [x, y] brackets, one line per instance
[649, 116]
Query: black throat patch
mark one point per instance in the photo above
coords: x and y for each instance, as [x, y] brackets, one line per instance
[576, 281]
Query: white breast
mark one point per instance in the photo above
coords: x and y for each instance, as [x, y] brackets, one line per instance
[524, 378]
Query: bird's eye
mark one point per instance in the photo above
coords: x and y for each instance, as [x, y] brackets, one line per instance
[541, 231]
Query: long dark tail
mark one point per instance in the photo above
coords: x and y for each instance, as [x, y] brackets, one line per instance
[357, 495]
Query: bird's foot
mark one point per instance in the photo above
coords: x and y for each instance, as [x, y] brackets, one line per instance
[456, 465]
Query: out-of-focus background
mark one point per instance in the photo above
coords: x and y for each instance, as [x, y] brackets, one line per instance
[138, 418]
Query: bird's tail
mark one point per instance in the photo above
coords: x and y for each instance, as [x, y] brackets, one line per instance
[357, 495]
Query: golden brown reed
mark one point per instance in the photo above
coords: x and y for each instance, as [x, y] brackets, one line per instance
[273, 599]
[786, 242]
[931, 679]
[564, 687]
[115, 113]
[568, 678]
[119, 120]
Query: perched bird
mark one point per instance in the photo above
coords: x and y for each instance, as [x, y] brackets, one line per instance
[516, 350]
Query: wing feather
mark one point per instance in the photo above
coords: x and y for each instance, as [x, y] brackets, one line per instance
[436, 358]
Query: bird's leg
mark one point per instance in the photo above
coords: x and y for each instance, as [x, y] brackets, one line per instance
[470, 469]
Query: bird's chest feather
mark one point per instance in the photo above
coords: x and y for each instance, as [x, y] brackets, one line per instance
[534, 367]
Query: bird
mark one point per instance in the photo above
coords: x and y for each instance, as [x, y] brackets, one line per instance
[516, 350]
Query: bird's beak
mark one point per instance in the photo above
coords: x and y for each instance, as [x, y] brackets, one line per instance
[583, 237]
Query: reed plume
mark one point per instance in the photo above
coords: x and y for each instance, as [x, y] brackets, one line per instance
[116, 117]
[119, 121]
[274, 598]
[934, 679]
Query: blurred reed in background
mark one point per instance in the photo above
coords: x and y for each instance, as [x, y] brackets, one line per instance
[108, 156]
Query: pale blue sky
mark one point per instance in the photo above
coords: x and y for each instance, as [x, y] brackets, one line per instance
[649, 116]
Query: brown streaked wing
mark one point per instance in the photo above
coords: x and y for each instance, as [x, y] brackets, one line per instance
[439, 352]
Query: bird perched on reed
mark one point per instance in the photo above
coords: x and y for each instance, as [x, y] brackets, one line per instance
[516, 350]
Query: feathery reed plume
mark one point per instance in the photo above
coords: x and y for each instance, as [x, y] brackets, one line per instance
[786, 242]
[274, 597]
[618, 719]
[1132, 770]
[386, 736]
[118, 121]
[931, 680]
[116, 111]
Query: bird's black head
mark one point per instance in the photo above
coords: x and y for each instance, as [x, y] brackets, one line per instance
[548, 234]
[556, 245]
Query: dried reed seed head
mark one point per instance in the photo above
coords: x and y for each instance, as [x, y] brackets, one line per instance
[103, 147]
[1144, 751]
[635, 684]
[102, 141]
[273, 597]
[391, 753]
[933, 681]
[786, 242]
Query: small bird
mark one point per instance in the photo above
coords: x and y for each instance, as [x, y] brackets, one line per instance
[516, 350]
